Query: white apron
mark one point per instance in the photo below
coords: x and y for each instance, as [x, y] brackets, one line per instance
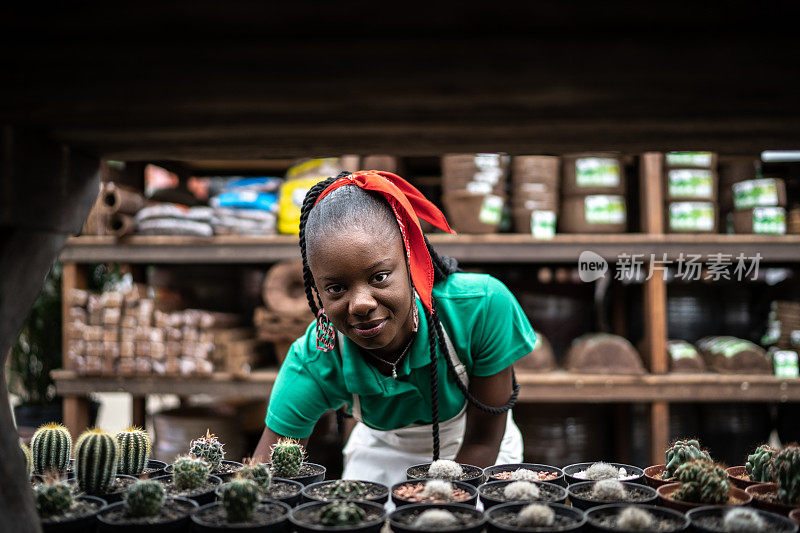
[384, 456]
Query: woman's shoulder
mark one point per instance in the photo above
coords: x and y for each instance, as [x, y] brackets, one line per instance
[462, 285]
[305, 347]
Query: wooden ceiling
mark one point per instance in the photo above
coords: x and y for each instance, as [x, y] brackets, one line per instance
[231, 80]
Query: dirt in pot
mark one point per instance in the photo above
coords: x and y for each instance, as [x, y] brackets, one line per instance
[547, 493]
[543, 476]
[632, 494]
[120, 484]
[372, 491]
[226, 468]
[414, 491]
[469, 472]
[311, 515]
[464, 518]
[172, 510]
[509, 518]
[173, 491]
[278, 490]
[308, 469]
[79, 509]
[660, 523]
[264, 513]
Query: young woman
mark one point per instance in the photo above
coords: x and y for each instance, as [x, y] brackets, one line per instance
[419, 353]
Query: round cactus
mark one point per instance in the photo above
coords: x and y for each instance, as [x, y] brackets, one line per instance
[28, 458]
[743, 520]
[521, 491]
[53, 497]
[144, 498]
[445, 469]
[287, 458]
[524, 474]
[787, 471]
[602, 470]
[208, 448]
[96, 459]
[257, 472]
[435, 518]
[134, 451]
[346, 489]
[536, 515]
[635, 519]
[239, 498]
[51, 447]
[609, 490]
[438, 489]
[189, 472]
[682, 451]
[702, 482]
[759, 464]
[341, 513]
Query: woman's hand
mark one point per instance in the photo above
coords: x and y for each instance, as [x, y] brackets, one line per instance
[268, 439]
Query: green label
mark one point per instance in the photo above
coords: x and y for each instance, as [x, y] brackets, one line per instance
[604, 209]
[597, 172]
[769, 220]
[785, 363]
[491, 210]
[691, 216]
[689, 159]
[754, 193]
[543, 224]
[731, 349]
[681, 350]
[688, 183]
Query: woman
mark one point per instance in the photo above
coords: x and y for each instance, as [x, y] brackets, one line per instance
[419, 354]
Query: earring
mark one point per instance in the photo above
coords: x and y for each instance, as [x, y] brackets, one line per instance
[325, 332]
[414, 314]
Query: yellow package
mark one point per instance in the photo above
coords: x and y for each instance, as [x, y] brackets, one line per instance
[290, 200]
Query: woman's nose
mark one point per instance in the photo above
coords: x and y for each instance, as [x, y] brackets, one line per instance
[362, 303]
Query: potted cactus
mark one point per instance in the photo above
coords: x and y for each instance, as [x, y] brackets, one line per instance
[26, 451]
[496, 492]
[240, 509]
[190, 479]
[525, 472]
[60, 510]
[51, 447]
[588, 494]
[211, 450]
[96, 461]
[601, 470]
[783, 496]
[346, 489]
[433, 518]
[134, 454]
[624, 517]
[539, 517]
[288, 461]
[680, 452]
[446, 469]
[271, 488]
[434, 491]
[339, 515]
[757, 469]
[701, 482]
[145, 505]
[736, 519]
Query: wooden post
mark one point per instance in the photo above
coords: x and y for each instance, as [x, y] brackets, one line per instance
[75, 408]
[139, 411]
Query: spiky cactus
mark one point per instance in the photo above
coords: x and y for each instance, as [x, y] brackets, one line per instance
[787, 471]
[759, 464]
[258, 472]
[287, 458]
[208, 448]
[435, 518]
[609, 490]
[51, 446]
[96, 459]
[134, 451]
[438, 489]
[536, 515]
[702, 481]
[144, 498]
[524, 474]
[521, 491]
[445, 469]
[602, 470]
[743, 520]
[635, 519]
[341, 513]
[239, 498]
[28, 458]
[682, 451]
[346, 489]
[189, 472]
[53, 497]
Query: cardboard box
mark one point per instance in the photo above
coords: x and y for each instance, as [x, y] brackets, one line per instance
[594, 213]
[766, 220]
[691, 217]
[691, 184]
[592, 173]
[761, 192]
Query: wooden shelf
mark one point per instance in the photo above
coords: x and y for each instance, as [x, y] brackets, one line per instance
[500, 248]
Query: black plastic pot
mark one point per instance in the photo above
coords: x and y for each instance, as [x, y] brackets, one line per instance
[775, 523]
[224, 477]
[491, 472]
[309, 497]
[581, 502]
[279, 526]
[571, 470]
[559, 493]
[114, 497]
[159, 469]
[298, 514]
[291, 500]
[475, 480]
[397, 525]
[77, 524]
[471, 489]
[202, 498]
[494, 526]
[309, 479]
[178, 525]
[593, 516]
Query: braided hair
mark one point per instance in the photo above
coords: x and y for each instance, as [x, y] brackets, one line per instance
[443, 267]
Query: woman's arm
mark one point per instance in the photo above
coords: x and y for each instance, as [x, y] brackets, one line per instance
[268, 438]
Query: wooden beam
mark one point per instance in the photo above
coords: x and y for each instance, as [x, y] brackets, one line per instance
[659, 431]
[139, 415]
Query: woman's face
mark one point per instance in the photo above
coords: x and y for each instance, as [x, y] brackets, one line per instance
[364, 285]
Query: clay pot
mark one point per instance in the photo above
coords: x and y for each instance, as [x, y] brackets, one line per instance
[772, 506]
[739, 477]
[652, 476]
[665, 492]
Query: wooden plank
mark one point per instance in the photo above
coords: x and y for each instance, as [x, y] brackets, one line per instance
[651, 192]
[659, 431]
[139, 411]
[76, 413]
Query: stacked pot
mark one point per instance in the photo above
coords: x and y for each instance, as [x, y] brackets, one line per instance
[690, 182]
[759, 206]
[474, 190]
[593, 191]
[534, 194]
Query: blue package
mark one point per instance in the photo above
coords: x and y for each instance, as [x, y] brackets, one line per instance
[246, 199]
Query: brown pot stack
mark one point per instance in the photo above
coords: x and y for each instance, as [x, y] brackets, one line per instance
[534, 193]
[759, 206]
[474, 190]
[593, 193]
[690, 192]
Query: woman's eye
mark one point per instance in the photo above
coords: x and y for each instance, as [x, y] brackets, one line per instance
[334, 289]
[381, 277]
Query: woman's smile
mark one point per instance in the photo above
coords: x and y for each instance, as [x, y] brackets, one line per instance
[370, 329]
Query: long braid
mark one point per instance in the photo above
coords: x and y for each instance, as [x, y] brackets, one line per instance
[434, 386]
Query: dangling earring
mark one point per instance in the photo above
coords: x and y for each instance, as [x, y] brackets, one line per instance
[414, 313]
[325, 332]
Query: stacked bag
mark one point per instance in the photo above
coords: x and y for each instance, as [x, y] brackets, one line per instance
[690, 194]
[534, 194]
[474, 190]
[593, 193]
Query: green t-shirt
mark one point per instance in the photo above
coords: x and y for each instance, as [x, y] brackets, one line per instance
[485, 323]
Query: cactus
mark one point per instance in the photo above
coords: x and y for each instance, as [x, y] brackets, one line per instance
[601, 470]
[521, 491]
[445, 469]
[682, 451]
[635, 519]
[759, 464]
[438, 489]
[239, 498]
[346, 489]
[51, 446]
[287, 458]
[702, 481]
[258, 472]
[144, 498]
[536, 515]
[787, 471]
[208, 448]
[96, 459]
[341, 513]
[53, 497]
[523, 474]
[28, 458]
[189, 472]
[435, 518]
[608, 490]
[134, 451]
[743, 520]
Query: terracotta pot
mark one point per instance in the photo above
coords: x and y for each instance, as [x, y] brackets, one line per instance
[736, 497]
[767, 489]
[739, 477]
[652, 476]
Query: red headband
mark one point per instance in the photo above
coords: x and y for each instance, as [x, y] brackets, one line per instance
[408, 205]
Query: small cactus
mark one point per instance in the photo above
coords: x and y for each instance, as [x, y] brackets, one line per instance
[53, 497]
[435, 518]
[536, 515]
[682, 451]
[51, 446]
[239, 498]
[609, 490]
[144, 498]
[438, 489]
[601, 470]
[96, 459]
[521, 491]
[743, 520]
[134, 451]
[524, 474]
[208, 448]
[189, 472]
[787, 471]
[445, 469]
[346, 489]
[28, 458]
[258, 472]
[287, 458]
[702, 482]
[635, 519]
[341, 513]
[759, 464]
